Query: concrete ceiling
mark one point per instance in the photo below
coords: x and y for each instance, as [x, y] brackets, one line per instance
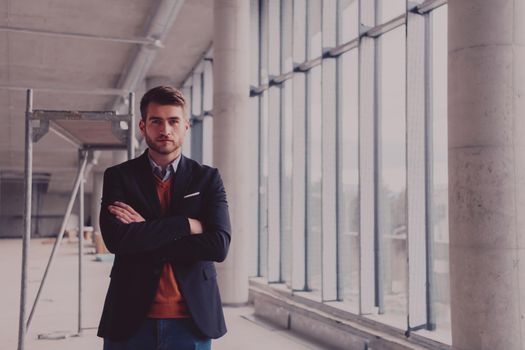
[59, 67]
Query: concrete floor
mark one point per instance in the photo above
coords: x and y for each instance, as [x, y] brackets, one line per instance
[57, 311]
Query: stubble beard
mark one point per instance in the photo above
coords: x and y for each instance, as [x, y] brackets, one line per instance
[168, 148]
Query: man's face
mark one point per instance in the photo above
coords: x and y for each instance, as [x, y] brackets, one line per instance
[164, 129]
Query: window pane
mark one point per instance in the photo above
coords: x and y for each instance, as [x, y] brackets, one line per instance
[263, 185]
[349, 183]
[440, 241]
[314, 29]
[196, 94]
[391, 220]
[254, 234]
[349, 20]
[254, 42]
[274, 35]
[313, 195]
[286, 181]
[389, 9]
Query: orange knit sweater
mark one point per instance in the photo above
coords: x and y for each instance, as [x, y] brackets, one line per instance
[168, 301]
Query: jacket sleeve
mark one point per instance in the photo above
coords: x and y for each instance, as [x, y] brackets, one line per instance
[213, 243]
[136, 237]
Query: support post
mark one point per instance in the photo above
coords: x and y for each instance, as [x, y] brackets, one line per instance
[81, 156]
[28, 182]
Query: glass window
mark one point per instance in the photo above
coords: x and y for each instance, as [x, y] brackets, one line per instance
[299, 31]
[196, 94]
[439, 195]
[254, 42]
[286, 181]
[286, 143]
[207, 89]
[349, 26]
[389, 9]
[313, 179]
[348, 238]
[253, 248]
[314, 36]
[391, 242]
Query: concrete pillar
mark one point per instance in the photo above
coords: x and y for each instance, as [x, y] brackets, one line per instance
[486, 113]
[231, 142]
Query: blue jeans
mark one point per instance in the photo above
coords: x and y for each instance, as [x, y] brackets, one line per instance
[163, 334]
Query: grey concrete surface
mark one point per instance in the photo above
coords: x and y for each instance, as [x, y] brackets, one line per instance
[57, 311]
[231, 137]
[486, 173]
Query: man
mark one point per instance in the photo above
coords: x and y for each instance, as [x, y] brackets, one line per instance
[165, 217]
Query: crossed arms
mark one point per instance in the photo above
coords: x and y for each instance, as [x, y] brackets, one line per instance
[176, 238]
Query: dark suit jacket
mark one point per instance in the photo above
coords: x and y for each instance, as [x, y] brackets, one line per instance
[141, 249]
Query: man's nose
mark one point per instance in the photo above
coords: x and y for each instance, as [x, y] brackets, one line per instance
[165, 128]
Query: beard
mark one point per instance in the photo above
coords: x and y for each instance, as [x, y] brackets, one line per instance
[162, 147]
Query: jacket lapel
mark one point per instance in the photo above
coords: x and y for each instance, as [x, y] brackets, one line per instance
[181, 181]
[146, 184]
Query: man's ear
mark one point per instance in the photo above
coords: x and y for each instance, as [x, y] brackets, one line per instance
[142, 126]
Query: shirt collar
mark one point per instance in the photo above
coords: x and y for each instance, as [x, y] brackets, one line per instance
[171, 168]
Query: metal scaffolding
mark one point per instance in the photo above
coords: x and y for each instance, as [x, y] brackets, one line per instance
[37, 124]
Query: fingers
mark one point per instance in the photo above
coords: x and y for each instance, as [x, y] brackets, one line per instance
[120, 214]
[135, 216]
[124, 213]
[126, 207]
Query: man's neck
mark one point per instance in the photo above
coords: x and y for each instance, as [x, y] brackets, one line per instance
[163, 160]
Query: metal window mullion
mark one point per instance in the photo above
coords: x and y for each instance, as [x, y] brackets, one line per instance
[338, 157]
[274, 188]
[286, 63]
[429, 157]
[366, 162]
[329, 158]
[430, 5]
[298, 152]
[28, 183]
[263, 139]
[379, 208]
[81, 193]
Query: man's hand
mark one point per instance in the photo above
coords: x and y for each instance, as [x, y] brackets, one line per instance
[195, 226]
[125, 213]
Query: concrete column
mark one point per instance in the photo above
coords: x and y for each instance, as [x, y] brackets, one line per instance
[486, 113]
[231, 142]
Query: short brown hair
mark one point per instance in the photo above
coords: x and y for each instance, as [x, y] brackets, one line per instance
[163, 95]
